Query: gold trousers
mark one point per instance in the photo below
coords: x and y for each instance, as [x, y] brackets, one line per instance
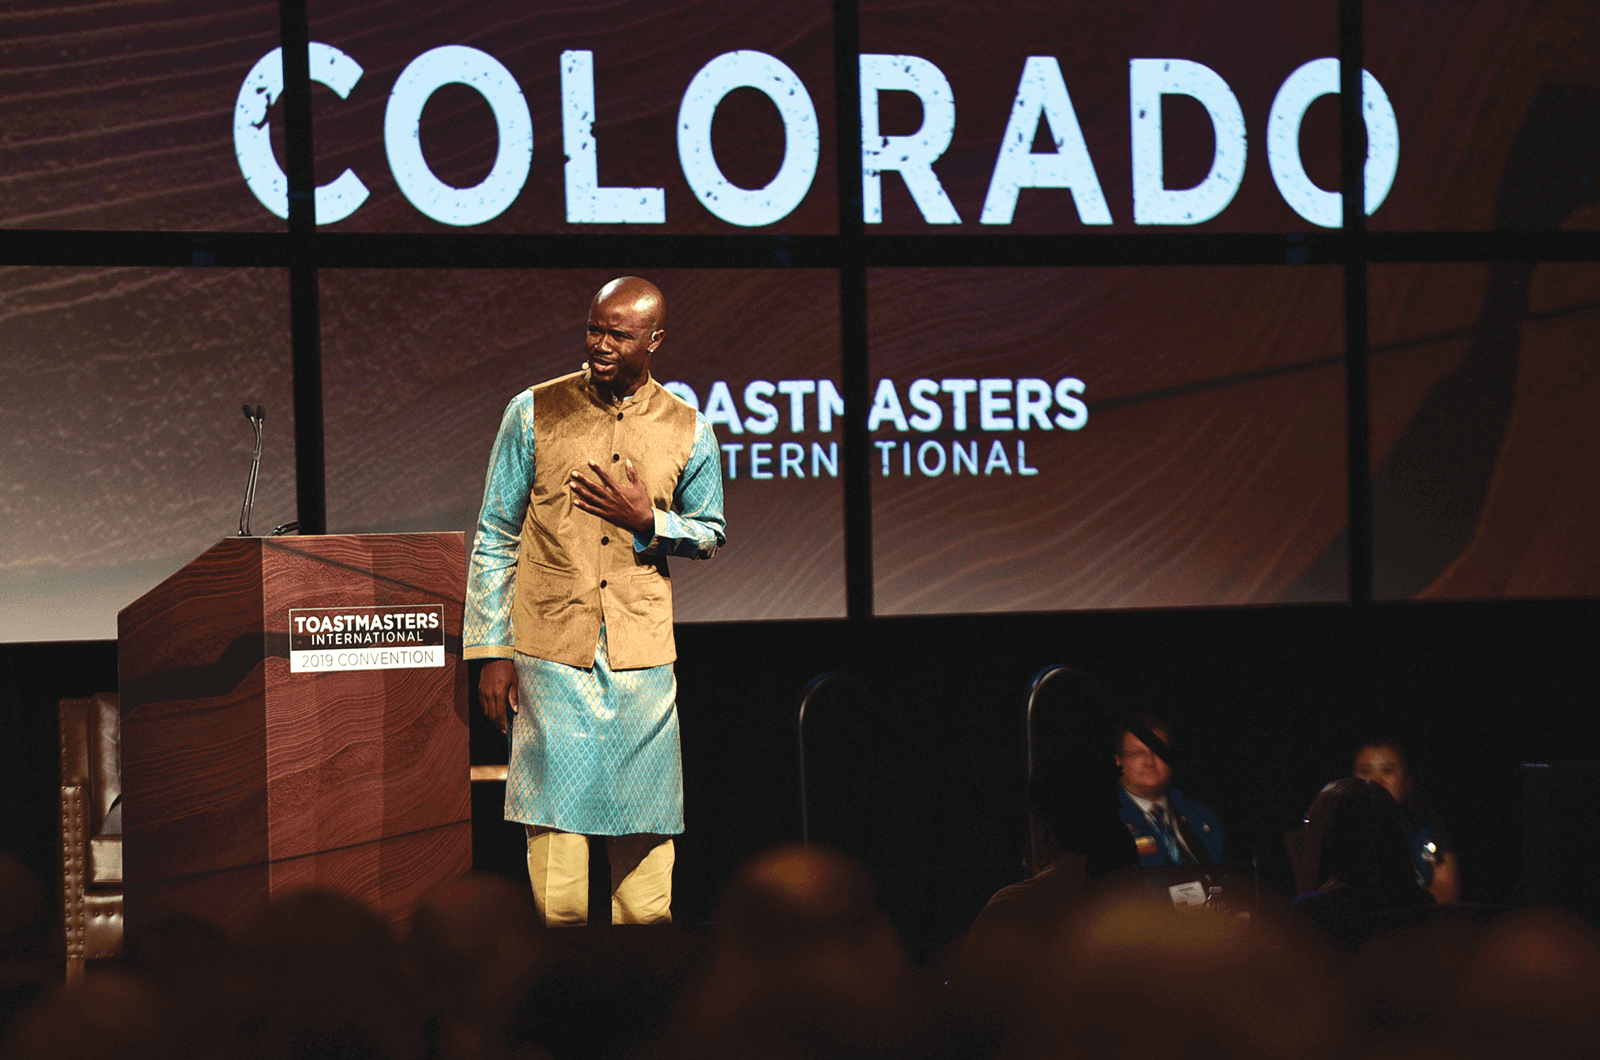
[641, 877]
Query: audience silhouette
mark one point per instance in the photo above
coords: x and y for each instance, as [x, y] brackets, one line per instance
[801, 962]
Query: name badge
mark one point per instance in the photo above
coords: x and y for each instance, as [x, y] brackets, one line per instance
[1187, 895]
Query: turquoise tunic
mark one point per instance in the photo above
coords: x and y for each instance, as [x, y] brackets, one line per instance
[593, 750]
[596, 751]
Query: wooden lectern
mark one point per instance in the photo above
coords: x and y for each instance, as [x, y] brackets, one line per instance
[294, 714]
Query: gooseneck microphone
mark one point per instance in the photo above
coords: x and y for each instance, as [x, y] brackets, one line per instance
[256, 418]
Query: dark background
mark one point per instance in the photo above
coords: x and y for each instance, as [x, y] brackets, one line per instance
[1267, 704]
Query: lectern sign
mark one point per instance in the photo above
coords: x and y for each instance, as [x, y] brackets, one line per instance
[406, 636]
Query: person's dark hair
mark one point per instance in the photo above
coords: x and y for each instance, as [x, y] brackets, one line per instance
[1075, 794]
[336, 983]
[792, 896]
[1354, 836]
[1148, 721]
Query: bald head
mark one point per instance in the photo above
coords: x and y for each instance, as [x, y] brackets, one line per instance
[638, 294]
[627, 321]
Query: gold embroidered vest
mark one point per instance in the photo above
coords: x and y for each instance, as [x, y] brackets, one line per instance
[575, 570]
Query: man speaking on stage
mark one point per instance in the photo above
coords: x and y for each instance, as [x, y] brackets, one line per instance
[595, 479]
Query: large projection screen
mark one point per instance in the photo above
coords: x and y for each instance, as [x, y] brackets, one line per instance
[136, 115]
[1486, 449]
[677, 117]
[1042, 116]
[419, 366]
[1495, 103]
[1049, 439]
[125, 451]
[1152, 434]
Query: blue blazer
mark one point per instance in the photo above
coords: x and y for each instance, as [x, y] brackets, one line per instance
[1203, 824]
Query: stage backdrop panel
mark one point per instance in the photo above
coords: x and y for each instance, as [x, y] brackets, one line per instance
[122, 115]
[1193, 115]
[719, 116]
[1486, 450]
[1495, 101]
[1224, 113]
[1050, 439]
[419, 365]
[124, 452]
[670, 111]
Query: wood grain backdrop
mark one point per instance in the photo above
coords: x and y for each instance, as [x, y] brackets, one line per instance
[1211, 469]
[121, 115]
[123, 451]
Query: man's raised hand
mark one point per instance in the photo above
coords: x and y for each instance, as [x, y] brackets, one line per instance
[627, 504]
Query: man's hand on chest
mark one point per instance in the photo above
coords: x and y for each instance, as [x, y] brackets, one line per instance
[623, 501]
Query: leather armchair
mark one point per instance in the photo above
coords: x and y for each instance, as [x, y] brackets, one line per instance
[91, 828]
